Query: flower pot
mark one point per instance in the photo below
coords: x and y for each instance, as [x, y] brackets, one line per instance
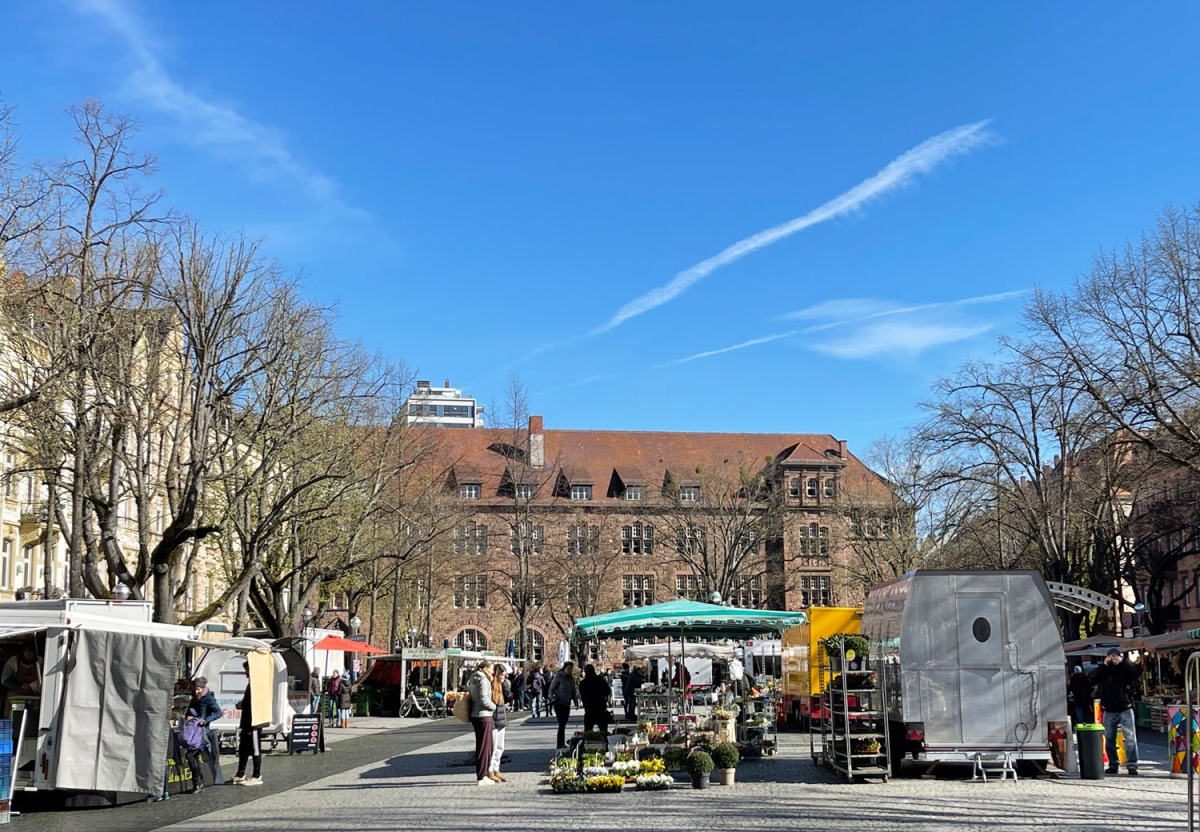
[701, 781]
[726, 776]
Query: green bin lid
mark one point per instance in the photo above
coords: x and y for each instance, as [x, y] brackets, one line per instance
[1089, 726]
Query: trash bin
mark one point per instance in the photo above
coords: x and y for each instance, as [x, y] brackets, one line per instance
[1091, 750]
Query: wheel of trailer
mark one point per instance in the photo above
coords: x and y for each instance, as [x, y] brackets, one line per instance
[274, 741]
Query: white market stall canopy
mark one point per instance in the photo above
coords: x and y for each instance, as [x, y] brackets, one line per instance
[695, 650]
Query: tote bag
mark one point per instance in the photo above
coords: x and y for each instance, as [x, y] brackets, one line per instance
[462, 708]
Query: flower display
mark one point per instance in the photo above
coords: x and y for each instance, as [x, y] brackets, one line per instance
[654, 782]
[603, 783]
[594, 771]
[654, 766]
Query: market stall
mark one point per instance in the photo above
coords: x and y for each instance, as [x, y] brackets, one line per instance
[683, 624]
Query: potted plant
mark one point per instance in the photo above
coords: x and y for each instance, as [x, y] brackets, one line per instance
[725, 757]
[845, 647]
[674, 757]
[699, 765]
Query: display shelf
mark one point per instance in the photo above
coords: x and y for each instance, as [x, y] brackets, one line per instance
[854, 736]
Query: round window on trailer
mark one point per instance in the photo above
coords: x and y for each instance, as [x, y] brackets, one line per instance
[981, 629]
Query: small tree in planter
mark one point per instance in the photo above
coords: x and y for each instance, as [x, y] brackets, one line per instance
[700, 766]
[725, 757]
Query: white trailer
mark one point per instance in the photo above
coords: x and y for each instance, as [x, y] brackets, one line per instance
[221, 664]
[973, 665]
[99, 719]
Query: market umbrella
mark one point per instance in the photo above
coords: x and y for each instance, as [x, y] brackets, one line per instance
[345, 645]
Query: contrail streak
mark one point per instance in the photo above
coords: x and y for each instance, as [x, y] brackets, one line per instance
[900, 172]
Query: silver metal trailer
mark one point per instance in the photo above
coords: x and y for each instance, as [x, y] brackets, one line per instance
[976, 670]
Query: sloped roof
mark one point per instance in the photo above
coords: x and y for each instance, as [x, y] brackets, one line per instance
[648, 455]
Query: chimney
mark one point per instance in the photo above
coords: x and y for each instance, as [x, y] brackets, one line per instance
[537, 443]
[446, 384]
[842, 448]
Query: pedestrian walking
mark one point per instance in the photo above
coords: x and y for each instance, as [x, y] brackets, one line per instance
[538, 688]
[562, 692]
[249, 739]
[332, 688]
[1113, 680]
[314, 690]
[518, 690]
[483, 706]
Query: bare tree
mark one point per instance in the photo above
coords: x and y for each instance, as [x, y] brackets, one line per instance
[720, 517]
[1128, 336]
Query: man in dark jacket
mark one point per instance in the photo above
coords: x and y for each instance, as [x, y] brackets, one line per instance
[518, 689]
[249, 740]
[562, 691]
[202, 710]
[1113, 680]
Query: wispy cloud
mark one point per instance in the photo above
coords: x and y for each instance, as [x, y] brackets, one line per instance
[900, 172]
[207, 122]
[867, 334]
[897, 337]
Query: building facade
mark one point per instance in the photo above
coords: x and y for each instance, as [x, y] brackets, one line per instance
[442, 407]
[558, 524]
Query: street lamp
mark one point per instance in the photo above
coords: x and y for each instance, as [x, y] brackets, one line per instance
[306, 619]
[121, 591]
[355, 623]
[412, 636]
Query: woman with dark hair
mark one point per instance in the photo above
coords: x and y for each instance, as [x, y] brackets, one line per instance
[595, 693]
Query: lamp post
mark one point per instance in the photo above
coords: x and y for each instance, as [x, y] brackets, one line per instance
[355, 623]
[121, 591]
[412, 636]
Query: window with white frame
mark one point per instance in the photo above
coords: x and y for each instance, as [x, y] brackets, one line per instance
[5, 562]
[794, 488]
[689, 493]
[470, 592]
[524, 491]
[635, 492]
[637, 590]
[810, 488]
[470, 538]
[469, 491]
[748, 593]
[471, 639]
[637, 539]
[525, 537]
[688, 586]
[10, 485]
[25, 567]
[830, 488]
[537, 645]
[582, 591]
[815, 591]
[691, 540]
[581, 492]
[582, 539]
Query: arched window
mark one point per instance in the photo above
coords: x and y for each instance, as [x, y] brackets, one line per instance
[471, 639]
[537, 646]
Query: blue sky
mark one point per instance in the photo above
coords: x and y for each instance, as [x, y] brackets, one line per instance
[670, 216]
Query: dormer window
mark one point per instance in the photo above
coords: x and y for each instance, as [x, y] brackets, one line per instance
[469, 491]
[635, 492]
[524, 491]
[689, 493]
[581, 492]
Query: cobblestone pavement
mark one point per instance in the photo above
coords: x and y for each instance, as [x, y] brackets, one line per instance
[425, 789]
[418, 778]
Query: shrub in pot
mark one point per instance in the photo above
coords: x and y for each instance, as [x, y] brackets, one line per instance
[674, 756]
[699, 765]
[725, 758]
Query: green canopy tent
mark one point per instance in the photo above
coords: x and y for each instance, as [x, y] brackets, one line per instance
[683, 619]
[687, 618]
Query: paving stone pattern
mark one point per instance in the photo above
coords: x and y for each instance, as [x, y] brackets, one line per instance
[413, 779]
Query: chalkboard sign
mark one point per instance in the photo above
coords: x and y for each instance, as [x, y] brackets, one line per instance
[308, 734]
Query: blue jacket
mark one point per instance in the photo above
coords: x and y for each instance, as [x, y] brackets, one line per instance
[205, 708]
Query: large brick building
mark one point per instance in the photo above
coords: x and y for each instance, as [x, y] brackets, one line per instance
[555, 524]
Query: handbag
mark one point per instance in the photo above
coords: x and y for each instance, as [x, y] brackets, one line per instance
[191, 735]
[462, 708]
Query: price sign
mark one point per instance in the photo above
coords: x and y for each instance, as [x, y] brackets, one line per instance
[307, 734]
